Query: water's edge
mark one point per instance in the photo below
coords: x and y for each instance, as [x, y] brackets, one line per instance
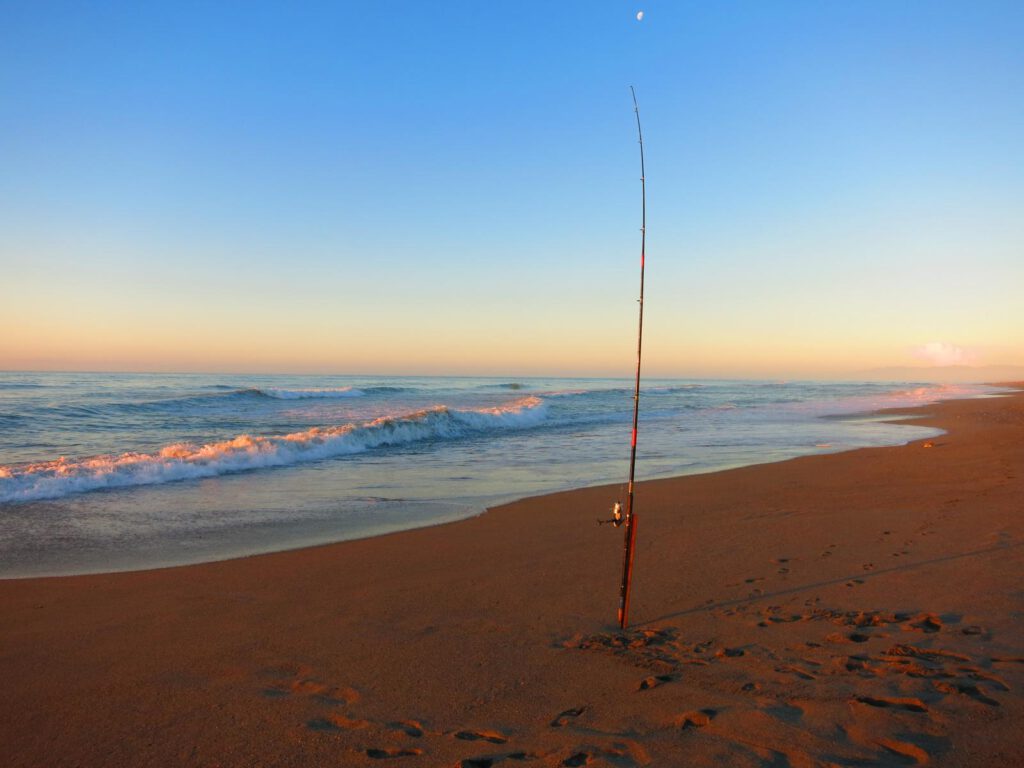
[311, 541]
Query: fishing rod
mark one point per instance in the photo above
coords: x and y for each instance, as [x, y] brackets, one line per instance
[629, 518]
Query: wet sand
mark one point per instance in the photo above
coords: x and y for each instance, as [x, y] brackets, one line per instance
[864, 608]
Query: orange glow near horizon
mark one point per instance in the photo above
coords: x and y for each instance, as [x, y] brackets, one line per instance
[698, 322]
[97, 345]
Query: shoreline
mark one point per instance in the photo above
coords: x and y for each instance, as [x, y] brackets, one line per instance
[297, 536]
[761, 633]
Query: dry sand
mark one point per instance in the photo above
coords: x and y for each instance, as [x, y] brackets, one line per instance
[856, 609]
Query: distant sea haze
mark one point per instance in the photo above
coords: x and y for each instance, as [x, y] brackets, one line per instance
[964, 374]
[115, 471]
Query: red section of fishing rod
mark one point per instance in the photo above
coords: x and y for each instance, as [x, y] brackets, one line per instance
[629, 550]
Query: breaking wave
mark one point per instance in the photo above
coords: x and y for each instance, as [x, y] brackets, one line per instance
[184, 461]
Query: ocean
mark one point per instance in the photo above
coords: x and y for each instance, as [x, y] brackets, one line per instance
[107, 472]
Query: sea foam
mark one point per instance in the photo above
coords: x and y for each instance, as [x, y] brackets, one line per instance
[183, 461]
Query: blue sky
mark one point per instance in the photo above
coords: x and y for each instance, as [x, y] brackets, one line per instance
[453, 188]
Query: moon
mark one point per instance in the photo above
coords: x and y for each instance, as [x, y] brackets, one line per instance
[640, 16]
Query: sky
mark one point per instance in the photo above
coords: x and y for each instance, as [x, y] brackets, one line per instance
[453, 187]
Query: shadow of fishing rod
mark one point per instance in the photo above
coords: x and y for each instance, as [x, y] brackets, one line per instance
[830, 582]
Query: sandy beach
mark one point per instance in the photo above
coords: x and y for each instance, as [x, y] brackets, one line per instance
[863, 608]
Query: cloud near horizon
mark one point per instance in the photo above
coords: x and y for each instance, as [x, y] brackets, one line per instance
[944, 353]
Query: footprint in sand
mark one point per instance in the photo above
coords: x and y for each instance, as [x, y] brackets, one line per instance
[696, 719]
[966, 689]
[336, 723]
[487, 762]
[905, 750]
[338, 695]
[385, 754]
[411, 728]
[974, 629]
[924, 622]
[909, 704]
[729, 653]
[624, 754]
[977, 674]
[564, 717]
[933, 654]
[492, 736]
[860, 637]
[791, 670]
[788, 713]
[305, 686]
[578, 759]
[654, 681]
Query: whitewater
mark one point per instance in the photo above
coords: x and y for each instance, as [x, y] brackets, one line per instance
[103, 472]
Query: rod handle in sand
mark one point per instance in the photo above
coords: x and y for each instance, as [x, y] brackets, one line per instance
[627, 570]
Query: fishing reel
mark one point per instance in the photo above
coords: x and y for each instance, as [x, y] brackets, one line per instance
[617, 518]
